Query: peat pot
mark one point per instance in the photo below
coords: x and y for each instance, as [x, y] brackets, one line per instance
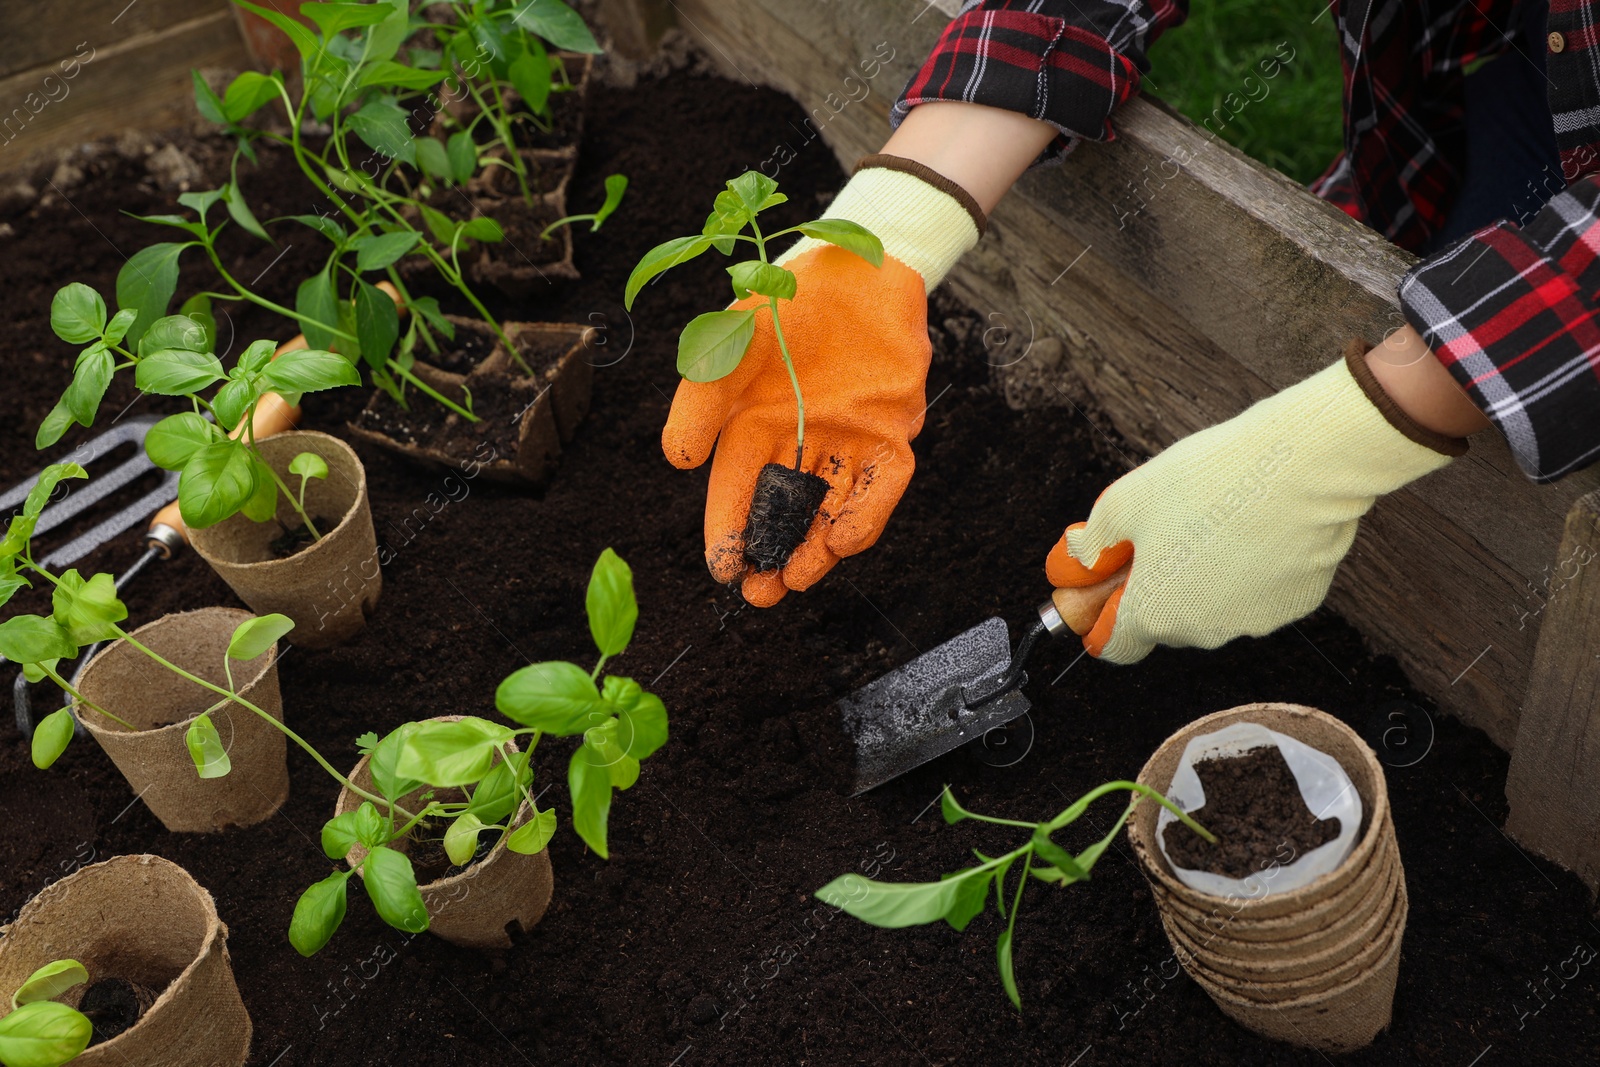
[475, 907]
[1314, 966]
[141, 919]
[155, 758]
[328, 587]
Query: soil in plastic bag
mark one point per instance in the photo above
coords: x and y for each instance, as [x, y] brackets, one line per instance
[1253, 806]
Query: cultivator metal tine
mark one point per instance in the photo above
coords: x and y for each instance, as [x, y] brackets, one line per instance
[80, 498]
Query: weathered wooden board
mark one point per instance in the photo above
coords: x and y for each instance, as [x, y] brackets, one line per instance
[1554, 782]
[73, 72]
[1183, 281]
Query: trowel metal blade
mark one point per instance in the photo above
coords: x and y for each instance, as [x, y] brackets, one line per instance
[916, 713]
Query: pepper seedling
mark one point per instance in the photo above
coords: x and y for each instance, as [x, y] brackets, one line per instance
[616, 185]
[221, 475]
[713, 345]
[961, 896]
[474, 758]
[307, 465]
[40, 1031]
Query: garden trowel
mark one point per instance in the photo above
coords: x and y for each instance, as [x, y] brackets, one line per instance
[956, 693]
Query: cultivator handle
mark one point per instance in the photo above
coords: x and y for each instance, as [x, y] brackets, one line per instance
[1078, 609]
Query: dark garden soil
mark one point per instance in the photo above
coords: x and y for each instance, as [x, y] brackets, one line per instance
[1253, 806]
[699, 942]
[113, 1005]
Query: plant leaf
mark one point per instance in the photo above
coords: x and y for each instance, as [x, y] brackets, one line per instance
[43, 1034]
[753, 188]
[610, 602]
[662, 257]
[247, 94]
[461, 839]
[49, 982]
[1007, 977]
[45, 487]
[308, 465]
[77, 314]
[233, 400]
[363, 826]
[315, 300]
[533, 835]
[210, 755]
[448, 754]
[311, 370]
[387, 72]
[382, 125]
[616, 186]
[82, 398]
[713, 344]
[207, 102]
[642, 727]
[173, 441]
[1056, 856]
[254, 636]
[239, 211]
[87, 610]
[33, 638]
[462, 152]
[952, 809]
[382, 763]
[197, 309]
[392, 885]
[304, 40]
[175, 332]
[754, 276]
[554, 696]
[54, 426]
[51, 735]
[590, 786]
[557, 23]
[896, 904]
[174, 372]
[215, 484]
[849, 236]
[146, 284]
[333, 19]
[483, 228]
[529, 74]
[318, 913]
[377, 324]
[376, 251]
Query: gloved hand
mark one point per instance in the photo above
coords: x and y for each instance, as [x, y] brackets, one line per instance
[858, 335]
[1238, 529]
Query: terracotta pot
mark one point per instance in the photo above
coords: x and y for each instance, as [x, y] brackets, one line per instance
[520, 436]
[329, 587]
[155, 759]
[476, 907]
[144, 920]
[1314, 966]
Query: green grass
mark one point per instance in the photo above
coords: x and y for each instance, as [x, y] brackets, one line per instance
[1294, 121]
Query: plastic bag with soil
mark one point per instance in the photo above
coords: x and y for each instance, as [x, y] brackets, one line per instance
[1275, 798]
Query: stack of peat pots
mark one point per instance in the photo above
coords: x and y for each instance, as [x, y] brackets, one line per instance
[1313, 966]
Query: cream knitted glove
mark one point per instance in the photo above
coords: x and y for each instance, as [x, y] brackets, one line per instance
[1238, 529]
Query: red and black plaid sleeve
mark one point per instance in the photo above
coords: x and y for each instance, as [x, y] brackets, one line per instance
[1067, 62]
[1514, 313]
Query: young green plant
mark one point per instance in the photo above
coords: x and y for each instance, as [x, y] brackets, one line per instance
[40, 1031]
[713, 345]
[487, 765]
[616, 185]
[961, 896]
[222, 474]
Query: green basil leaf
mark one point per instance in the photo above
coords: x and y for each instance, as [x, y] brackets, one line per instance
[77, 314]
[318, 913]
[54, 426]
[752, 188]
[262, 504]
[642, 728]
[215, 484]
[196, 309]
[32, 638]
[308, 465]
[180, 333]
[713, 344]
[662, 257]
[382, 763]
[310, 370]
[256, 357]
[51, 736]
[392, 885]
[49, 982]
[849, 236]
[43, 1034]
[461, 839]
[496, 793]
[89, 381]
[174, 372]
[533, 835]
[233, 400]
[146, 284]
[764, 278]
[556, 697]
[210, 755]
[45, 488]
[87, 610]
[363, 826]
[254, 636]
[173, 441]
[448, 754]
[610, 602]
[590, 786]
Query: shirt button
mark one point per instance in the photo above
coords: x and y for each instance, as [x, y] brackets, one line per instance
[1557, 42]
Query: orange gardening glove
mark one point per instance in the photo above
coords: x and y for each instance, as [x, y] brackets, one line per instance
[858, 336]
[1239, 529]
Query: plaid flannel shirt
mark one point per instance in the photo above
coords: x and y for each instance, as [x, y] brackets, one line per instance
[1510, 311]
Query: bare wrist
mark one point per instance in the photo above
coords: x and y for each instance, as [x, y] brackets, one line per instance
[982, 149]
[1421, 387]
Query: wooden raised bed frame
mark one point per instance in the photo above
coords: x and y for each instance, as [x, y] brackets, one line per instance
[1183, 281]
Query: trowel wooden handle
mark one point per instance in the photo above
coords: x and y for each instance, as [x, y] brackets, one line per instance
[273, 415]
[1081, 607]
